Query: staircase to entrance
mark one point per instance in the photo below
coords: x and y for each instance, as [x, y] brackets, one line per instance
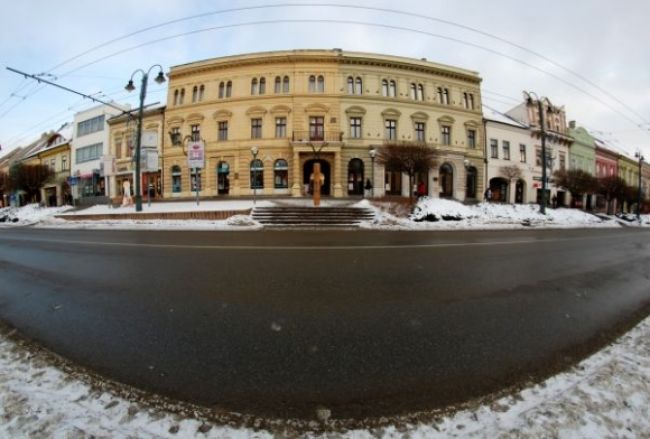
[304, 216]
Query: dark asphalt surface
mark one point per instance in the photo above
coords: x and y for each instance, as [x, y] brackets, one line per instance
[366, 323]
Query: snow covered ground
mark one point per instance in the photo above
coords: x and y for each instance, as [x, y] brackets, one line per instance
[442, 214]
[606, 395]
[28, 215]
[174, 206]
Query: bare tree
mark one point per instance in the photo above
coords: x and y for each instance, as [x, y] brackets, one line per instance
[576, 181]
[408, 157]
[612, 188]
[29, 178]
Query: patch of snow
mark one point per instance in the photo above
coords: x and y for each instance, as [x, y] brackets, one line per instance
[605, 395]
[174, 206]
[28, 215]
[236, 222]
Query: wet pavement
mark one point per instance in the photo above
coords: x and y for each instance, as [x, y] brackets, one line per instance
[365, 323]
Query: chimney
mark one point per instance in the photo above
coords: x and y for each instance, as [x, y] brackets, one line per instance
[572, 124]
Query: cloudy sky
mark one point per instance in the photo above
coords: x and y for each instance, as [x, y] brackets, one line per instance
[604, 44]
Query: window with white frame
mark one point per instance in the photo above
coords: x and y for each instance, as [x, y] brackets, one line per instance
[446, 134]
[256, 128]
[506, 149]
[222, 133]
[471, 138]
[280, 127]
[494, 148]
[355, 127]
[420, 134]
[391, 129]
[522, 153]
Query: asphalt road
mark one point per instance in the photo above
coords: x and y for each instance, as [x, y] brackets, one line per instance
[362, 322]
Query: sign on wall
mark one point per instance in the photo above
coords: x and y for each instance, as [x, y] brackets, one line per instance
[196, 155]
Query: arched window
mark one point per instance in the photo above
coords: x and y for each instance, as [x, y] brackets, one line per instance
[281, 174]
[420, 92]
[320, 84]
[393, 89]
[355, 177]
[257, 174]
[262, 86]
[254, 86]
[175, 97]
[222, 88]
[312, 83]
[201, 92]
[182, 98]
[229, 89]
[414, 93]
[176, 179]
[285, 84]
[384, 87]
[195, 93]
[446, 178]
[358, 86]
[350, 85]
[277, 87]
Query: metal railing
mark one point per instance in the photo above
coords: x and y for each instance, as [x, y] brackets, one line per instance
[317, 136]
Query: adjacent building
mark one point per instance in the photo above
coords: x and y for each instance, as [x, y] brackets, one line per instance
[558, 142]
[582, 156]
[328, 106]
[55, 153]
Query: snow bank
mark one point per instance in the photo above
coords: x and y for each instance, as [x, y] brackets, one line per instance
[236, 222]
[174, 206]
[441, 214]
[606, 395]
[28, 215]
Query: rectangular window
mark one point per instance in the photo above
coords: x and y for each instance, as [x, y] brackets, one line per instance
[494, 148]
[223, 130]
[538, 157]
[256, 128]
[280, 127]
[316, 128]
[506, 149]
[446, 135]
[53, 165]
[471, 138]
[522, 153]
[176, 136]
[90, 126]
[420, 135]
[562, 161]
[64, 162]
[88, 153]
[118, 148]
[391, 129]
[196, 132]
[355, 127]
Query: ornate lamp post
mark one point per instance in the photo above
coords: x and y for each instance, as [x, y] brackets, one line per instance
[638, 202]
[373, 154]
[540, 109]
[254, 151]
[160, 78]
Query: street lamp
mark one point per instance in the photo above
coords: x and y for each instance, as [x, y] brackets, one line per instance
[254, 151]
[160, 78]
[638, 202]
[540, 108]
[373, 153]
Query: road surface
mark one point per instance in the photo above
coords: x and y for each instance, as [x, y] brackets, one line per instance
[366, 323]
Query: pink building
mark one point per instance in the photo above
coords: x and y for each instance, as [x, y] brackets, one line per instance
[606, 161]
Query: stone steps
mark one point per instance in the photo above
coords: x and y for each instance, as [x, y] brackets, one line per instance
[290, 216]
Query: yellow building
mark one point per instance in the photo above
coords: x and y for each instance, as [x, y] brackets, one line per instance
[55, 153]
[118, 164]
[331, 105]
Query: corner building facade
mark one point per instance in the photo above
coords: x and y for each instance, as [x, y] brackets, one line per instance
[331, 106]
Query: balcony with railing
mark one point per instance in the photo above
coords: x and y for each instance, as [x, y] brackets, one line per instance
[317, 136]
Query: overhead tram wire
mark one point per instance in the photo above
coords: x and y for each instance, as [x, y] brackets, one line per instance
[366, 8]
[360, 23]
[359, 7]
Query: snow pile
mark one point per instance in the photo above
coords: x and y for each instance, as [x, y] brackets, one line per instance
[29, 214]
[441, 214]
[606, 395]
[174, 206]
[242, 220]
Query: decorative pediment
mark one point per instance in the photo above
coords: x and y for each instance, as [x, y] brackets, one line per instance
[222, 114]
[256, 111]
[471, 124]
[151, 126]
[446, 119]
[280, 109]
[391, 112]
[420, 116]
[317, 108]
[195, 117]
[175, 120]
[355, 110]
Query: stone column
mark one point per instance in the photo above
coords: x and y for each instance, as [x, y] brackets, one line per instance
[338, 188]
[296, 187]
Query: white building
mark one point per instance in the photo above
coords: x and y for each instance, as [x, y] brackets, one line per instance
[511, 171]
[558, 142]
[89, 145]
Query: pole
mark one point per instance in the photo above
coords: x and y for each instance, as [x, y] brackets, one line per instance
[542, 207]
[196, 184]
[638, 203]
[138, 146]
[372, 173]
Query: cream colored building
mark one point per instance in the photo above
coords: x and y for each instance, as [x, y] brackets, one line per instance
[119, 165]
[331, 105]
